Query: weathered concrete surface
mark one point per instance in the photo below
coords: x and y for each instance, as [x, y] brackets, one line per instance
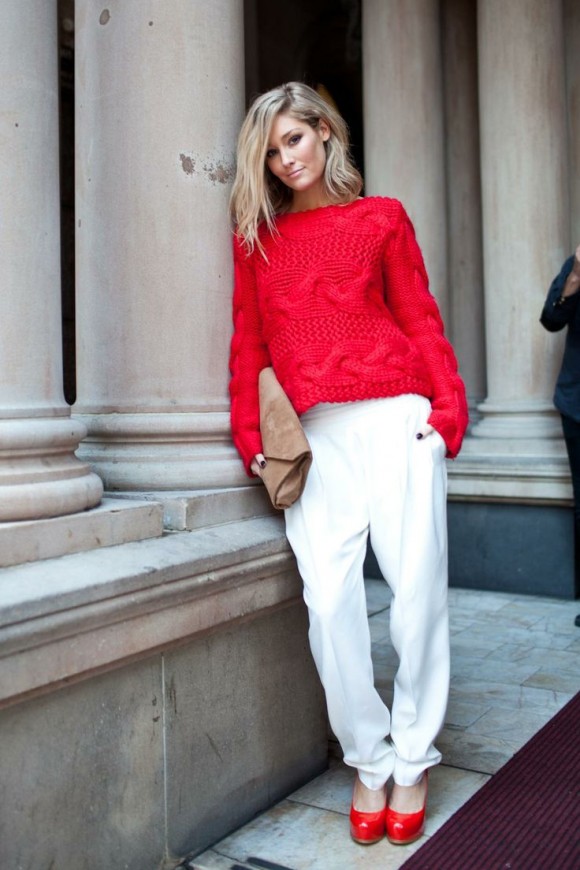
[155, 695]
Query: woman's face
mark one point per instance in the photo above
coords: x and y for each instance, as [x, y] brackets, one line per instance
[296, 155]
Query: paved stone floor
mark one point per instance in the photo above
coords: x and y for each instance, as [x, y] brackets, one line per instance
[515, 663]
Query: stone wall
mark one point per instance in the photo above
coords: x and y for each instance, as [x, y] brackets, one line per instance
[155, 695]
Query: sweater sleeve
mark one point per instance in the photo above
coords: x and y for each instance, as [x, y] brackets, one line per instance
[555, 314]
[248, 356]
[415, 310]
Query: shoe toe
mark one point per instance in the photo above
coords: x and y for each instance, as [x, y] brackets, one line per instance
[403, 828]
[367, 828]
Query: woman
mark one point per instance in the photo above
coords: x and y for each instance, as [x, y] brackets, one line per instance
[561, 309]
[331, 290]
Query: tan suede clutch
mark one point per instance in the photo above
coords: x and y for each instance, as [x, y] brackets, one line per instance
[285, 446]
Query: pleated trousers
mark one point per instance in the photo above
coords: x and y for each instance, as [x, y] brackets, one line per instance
[371, 475]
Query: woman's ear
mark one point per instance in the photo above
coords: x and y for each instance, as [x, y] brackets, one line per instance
[324, 130]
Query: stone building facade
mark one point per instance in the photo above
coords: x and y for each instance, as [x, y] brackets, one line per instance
[156, 687]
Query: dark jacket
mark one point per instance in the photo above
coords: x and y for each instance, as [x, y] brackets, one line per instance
[555, 316]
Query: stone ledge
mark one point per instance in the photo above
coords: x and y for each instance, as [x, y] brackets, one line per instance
[187, 510]
[113, 522]
[525, 471]
[67, 618]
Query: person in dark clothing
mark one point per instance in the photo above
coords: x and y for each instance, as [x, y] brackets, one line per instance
[562, 309]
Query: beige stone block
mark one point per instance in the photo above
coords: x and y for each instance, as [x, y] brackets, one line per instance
[245, 717]
[113, 522]
[66, 618]
[84, 771]
[194, 510]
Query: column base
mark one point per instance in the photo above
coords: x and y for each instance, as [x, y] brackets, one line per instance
[159, 452]
[530, 470]
[40, 476]
[517, 421]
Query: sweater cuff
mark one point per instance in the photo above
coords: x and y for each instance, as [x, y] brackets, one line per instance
[249, 445]
[451, 430]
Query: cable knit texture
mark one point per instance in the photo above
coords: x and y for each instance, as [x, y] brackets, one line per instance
[341, 309]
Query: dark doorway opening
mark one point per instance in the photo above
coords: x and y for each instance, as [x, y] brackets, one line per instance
[313, 41]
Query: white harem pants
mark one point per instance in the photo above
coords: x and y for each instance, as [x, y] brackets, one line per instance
[371, 474]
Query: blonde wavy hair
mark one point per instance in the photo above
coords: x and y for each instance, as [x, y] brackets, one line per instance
[257, 195]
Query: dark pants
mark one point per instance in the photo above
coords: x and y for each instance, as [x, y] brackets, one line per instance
[572, 438]
[571, 431]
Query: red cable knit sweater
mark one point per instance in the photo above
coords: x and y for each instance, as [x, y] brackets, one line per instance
[341, 309]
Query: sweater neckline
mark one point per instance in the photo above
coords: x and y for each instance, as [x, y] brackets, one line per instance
[321, 210]
[317, 220]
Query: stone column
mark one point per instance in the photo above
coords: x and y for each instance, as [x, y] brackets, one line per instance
[466, 326]
[159, 89]
[403, 118]
[40, 476]
[572, 40]
[525, 208]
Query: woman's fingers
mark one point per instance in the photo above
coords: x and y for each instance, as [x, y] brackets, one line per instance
[425, 431]
[258, 464]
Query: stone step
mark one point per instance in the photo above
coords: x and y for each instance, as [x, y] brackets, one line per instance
[114, 521]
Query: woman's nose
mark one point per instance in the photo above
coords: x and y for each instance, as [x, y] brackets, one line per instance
[287, 158]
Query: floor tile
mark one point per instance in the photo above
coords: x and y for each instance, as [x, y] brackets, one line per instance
[331, 790]
[464, 689]
[553, 680]
[378, 596]
[515, 727]
[463, 643]
[478, 600]
[462, 714]
[383, 653]
[515, 673]
[564, 660]
[474, 752]
[379, 630]
[459, 624]
[210, 860]
[449, 789]
[511, 617]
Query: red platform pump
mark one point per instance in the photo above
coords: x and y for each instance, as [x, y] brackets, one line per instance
[404, 828]
[367, 828]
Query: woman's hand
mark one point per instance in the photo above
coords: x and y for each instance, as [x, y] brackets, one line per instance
[425, 431]
[258, 464]
[572, 284]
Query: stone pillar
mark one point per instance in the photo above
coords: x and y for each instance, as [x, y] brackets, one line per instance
[403, 118]
[159, 89]
[466, 325]
[40, 476]
[572, 40]
[525, 208]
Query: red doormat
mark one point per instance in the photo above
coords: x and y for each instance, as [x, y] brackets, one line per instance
[526, 817]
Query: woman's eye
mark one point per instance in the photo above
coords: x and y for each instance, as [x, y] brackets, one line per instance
[294, 140]
[270, 153]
